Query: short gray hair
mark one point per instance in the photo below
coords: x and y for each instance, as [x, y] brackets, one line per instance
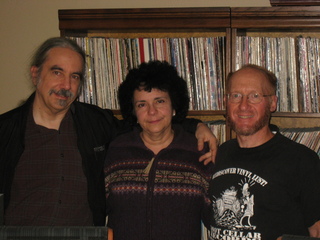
[270, 76]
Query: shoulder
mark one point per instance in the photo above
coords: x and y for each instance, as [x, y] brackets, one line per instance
[10, 122]
[296, 156]
[95, 116]
[227, 149]
[13, 124]
[186, 140]
[129, 138]
[85, 108]
[181, 134]
[232, 143]
[18, 112]
[288, 146]
[15, 116]
[296, 149]
[10, 114]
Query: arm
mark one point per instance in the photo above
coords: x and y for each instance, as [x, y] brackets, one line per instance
[203, 134]
[314, 230]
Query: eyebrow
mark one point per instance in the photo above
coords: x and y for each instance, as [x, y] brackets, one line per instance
[56, 67]
[140, 101]
[157, 98]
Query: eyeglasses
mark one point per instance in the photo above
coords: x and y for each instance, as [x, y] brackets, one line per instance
[251, 97]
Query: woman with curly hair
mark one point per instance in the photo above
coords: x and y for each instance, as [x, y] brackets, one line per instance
[155, 186]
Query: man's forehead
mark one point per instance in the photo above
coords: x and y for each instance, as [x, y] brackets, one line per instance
[59, 56]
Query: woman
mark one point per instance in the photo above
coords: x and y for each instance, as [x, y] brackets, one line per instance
[156, 187]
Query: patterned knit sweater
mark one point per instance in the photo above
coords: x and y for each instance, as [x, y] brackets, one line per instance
[169, 201]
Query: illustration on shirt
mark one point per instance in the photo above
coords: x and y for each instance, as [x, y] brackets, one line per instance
[233, 202]
[234, 209]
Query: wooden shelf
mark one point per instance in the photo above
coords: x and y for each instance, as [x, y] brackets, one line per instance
[200, 22]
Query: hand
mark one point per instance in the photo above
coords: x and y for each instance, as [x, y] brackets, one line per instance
[110, 234]
[314, 230]
[204, 134]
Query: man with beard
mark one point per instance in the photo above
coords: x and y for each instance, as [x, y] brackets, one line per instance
[52, 148]
[264, 185]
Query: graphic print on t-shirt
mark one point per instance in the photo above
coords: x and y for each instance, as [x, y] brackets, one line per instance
[233, 206]
[232, 211]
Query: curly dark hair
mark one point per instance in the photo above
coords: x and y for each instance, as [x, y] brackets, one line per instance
[154, 75]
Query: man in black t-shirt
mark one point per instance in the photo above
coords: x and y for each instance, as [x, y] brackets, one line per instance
[264, 185]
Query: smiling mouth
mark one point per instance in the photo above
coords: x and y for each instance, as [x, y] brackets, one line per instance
[61, 96]
[154, 121]
[245, 117]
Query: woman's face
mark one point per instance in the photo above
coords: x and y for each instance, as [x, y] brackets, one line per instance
[153, 110]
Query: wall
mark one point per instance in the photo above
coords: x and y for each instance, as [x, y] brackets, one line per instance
[24, 24]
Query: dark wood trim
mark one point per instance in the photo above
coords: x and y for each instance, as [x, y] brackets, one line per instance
[284, 18]
[146, 18]
[207, 112]
[296, 115]
[295, 2]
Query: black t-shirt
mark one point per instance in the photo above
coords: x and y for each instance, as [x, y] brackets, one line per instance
[264, 192]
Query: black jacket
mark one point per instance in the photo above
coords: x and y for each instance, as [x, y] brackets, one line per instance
[95, 129]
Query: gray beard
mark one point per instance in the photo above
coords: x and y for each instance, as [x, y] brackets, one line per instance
[262, 122]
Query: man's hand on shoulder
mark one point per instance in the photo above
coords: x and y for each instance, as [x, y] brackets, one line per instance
[204, 134]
